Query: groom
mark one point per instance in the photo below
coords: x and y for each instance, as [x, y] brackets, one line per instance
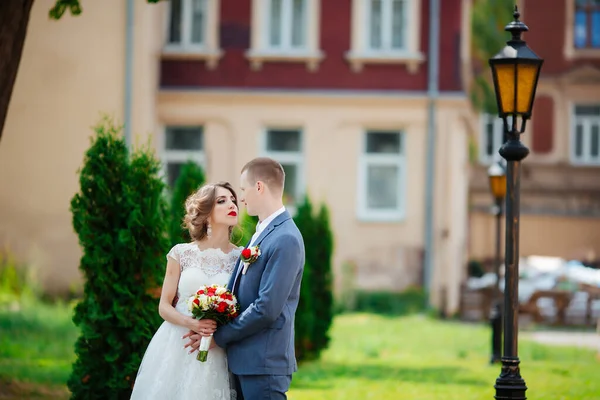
[260, 342]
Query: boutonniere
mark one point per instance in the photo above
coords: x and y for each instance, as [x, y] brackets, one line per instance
[248, 256]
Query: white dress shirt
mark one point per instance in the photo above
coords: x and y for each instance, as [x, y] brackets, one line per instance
[262, 225]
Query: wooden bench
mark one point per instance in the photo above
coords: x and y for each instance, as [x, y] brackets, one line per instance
[561, 299]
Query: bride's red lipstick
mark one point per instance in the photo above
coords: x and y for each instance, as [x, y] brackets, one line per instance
[233, 214]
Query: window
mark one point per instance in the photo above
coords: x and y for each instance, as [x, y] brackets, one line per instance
[382, 176]
[181, 144]
[585, 135]
[187, 23]
[586, 29]
[285, 30]
[491, 138]
[385, 31]
[192, 30]
[287, 25]
[285, 146]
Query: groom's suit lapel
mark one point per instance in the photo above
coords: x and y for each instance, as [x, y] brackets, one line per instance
[281, 218]
[237, 267]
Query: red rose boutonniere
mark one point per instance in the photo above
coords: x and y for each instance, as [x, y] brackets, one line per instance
[248, 256]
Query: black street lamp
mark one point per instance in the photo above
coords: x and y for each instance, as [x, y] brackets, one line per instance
[497, 177]
[515, 69]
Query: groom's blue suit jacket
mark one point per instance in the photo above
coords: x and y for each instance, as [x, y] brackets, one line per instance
[260, 341]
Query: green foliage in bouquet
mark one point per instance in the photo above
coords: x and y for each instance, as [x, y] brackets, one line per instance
[120, 217]
[189, 180]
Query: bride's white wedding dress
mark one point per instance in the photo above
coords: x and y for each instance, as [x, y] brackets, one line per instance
[167, 370]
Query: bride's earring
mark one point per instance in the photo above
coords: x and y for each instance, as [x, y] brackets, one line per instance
[208, 229]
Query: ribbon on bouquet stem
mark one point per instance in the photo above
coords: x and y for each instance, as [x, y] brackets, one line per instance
[203, 349]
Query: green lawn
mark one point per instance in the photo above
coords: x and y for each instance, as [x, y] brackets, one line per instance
[371, 357]
[374, 357]
[36, 350]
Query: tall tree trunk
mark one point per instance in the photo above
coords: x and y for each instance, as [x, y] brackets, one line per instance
[14, 18]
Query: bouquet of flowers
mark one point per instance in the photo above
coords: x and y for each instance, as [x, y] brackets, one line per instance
[212, 302]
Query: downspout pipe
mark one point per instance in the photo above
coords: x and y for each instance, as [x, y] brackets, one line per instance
[128, 70]
[432, 96]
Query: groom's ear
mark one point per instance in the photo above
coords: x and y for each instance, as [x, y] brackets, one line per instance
[260, 186]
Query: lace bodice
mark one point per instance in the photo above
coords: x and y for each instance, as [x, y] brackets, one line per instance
[200, 267]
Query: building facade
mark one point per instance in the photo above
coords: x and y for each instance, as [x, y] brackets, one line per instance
[560, 186]
[335, 90]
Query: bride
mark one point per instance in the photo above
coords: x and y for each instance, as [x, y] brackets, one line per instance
[168, 371]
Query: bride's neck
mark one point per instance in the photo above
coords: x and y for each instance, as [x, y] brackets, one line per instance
[219, 238]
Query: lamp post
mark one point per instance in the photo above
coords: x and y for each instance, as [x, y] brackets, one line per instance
[515, 70]
[497, 178]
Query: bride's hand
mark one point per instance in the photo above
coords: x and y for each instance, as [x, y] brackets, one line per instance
[194, 341]
[205, 327]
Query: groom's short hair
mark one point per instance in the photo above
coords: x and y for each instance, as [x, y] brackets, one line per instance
[266, 170]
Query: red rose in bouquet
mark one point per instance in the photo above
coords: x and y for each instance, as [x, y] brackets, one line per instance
[213, 302]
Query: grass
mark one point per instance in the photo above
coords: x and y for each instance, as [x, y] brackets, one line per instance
[374, 357]
[370, 357]
[36, 350]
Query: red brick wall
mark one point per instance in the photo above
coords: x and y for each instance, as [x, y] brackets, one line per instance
[333, 73]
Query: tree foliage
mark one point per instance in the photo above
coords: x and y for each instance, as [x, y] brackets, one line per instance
[323, 278]
[488, 19]
[73, 6]
[315, 309]
[189, 180]
[119, 215]
[247, 227]
[304, 323]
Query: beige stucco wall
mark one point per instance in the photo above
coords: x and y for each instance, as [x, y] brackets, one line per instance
[388, 255]
[71, 72]
[451, 212]
[332, 130]
[556, 236]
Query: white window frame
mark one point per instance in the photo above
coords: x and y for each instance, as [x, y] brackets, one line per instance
[498, 138]
[209, 50]
[361, 52]
[586, 159]
[386, 27]
[287, 16]
[287, 157]
[261, 51]
[398, 160]
[181, 156]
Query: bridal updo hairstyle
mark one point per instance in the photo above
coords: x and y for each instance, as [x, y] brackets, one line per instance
[199, 206]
